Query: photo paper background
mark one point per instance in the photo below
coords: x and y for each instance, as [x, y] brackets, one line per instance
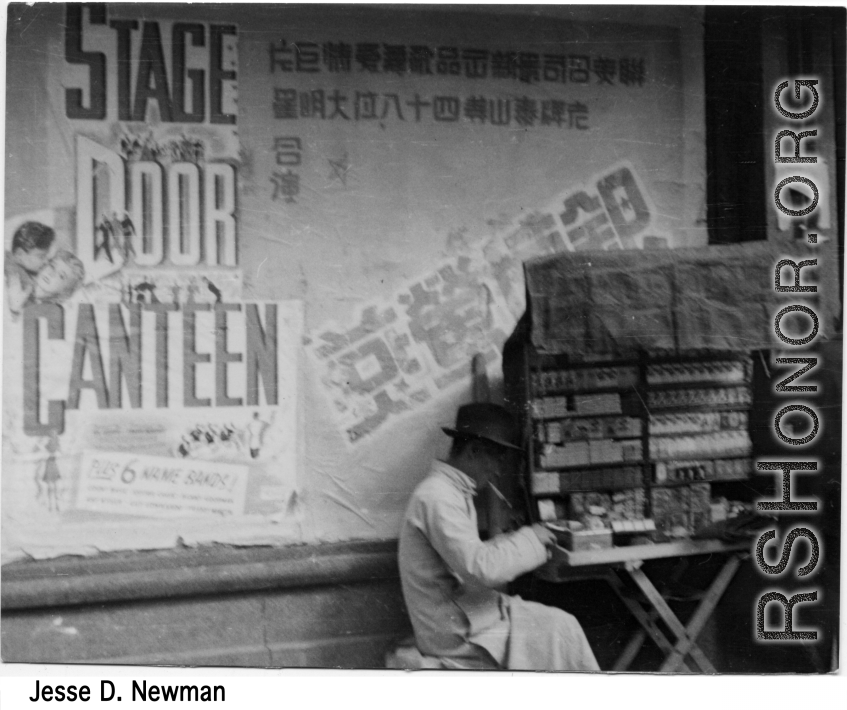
[371, 181]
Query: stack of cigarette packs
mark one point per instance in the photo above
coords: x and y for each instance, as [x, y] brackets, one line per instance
[702, 470]
[717, 371]
[699, 397]
[722, 444]
[681, 509]
[612, 478]
[620, 505]
[585, 379]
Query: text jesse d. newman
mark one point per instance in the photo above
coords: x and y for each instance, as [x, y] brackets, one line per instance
[140, 692]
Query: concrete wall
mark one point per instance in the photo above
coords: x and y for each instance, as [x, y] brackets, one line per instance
[337, 606]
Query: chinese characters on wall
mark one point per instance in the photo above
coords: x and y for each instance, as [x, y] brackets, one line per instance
[335, 105]
[483, 105]
[288, 153]
[471, 63]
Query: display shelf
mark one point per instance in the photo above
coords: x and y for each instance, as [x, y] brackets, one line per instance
[630, 406]
[713, 392]
[608, 478]
[683, 484]
[553, 417]
[589, 467]
[706, 386]
[699, 457]
[702, 408]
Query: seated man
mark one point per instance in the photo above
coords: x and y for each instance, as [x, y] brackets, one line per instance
[449, 575]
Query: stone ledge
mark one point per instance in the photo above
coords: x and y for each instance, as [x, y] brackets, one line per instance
[191, 572]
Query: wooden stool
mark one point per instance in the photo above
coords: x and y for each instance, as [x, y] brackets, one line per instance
[406, 656]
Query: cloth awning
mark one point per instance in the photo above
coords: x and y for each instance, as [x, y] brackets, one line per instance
[717, 298]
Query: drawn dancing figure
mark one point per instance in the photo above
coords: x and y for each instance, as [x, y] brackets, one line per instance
[104, 229]
[127, 231]
[184, 448]
[149, 290]
[255, 430]
[50, 472]
[236, 437]
[216, 292]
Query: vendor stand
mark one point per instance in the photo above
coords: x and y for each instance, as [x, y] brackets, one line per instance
[632, 373]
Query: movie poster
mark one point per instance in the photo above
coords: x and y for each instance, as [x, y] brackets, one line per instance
[141, 390]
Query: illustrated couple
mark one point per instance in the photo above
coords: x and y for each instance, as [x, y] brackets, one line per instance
[35, 272]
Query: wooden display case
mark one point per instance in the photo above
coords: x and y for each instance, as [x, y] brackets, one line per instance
[642, 436]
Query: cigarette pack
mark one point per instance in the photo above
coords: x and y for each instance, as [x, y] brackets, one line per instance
[633, 532]
[579, 540]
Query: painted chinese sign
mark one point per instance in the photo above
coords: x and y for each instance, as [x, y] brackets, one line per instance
[403, 353]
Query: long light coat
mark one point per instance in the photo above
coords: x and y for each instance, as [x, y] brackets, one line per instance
[449, 577]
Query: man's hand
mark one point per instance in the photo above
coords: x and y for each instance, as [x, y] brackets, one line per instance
[18, 291]
[544, 535]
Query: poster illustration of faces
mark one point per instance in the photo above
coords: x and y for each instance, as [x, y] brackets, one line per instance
[139, 385]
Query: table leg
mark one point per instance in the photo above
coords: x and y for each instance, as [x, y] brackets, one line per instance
[702, 613]
[630, 651]
[657, 601]
[644, 618]
[637, 641]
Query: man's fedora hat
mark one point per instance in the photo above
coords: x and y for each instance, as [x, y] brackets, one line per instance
[489, 422]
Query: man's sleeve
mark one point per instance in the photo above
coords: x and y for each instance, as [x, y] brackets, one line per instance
[452, 533]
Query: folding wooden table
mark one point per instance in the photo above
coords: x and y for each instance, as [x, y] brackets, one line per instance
[616, 565]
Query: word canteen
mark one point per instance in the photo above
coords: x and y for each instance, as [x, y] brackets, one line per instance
[146, 356]
[785, 468]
